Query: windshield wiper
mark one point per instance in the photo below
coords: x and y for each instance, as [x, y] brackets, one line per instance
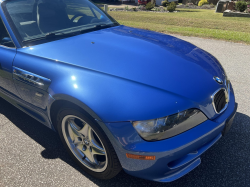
[104, 25]
[59, 34]
[97, 27]
[51, 35]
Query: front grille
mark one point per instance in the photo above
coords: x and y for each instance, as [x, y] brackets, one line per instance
[219, 100]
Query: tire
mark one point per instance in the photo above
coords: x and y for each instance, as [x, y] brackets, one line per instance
[92, 151]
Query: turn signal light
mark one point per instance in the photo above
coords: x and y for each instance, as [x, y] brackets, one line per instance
[140, 157]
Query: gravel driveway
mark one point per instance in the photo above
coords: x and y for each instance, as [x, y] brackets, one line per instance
[32, 155]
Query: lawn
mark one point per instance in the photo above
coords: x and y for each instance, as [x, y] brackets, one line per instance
[189, 22]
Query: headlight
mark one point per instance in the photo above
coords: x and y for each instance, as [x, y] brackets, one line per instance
[166, 127]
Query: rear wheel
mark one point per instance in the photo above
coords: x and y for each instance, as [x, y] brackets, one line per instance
[87, 143]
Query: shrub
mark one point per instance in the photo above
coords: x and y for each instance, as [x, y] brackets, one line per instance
[165, 3]
[149, 6]
[157, 9]
[162, 9]
[241, 6]
[141, 7]
[194, 2]
[202, 2]
[171, 7]
[248, 8]
[126, 8]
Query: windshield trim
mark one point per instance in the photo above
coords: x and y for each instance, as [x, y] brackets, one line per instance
[19, 38]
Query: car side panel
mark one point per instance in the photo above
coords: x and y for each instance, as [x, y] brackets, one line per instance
[7, 56]
[35, 112]
[32, 88]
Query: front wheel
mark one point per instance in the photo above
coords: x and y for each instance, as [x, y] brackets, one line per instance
[87, 143]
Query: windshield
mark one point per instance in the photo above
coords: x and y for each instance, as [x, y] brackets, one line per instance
[35, 19]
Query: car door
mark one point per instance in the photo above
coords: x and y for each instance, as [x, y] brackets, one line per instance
[7, 55]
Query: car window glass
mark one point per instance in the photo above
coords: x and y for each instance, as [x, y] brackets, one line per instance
[98, 15]
[4, 36]
[36, 18]
[78, 7]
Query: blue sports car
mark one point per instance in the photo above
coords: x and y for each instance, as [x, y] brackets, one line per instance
[119, 97]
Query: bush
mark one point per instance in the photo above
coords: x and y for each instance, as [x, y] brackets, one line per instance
[202, 2]
[165, 3]
[141, 7]
[149, 6]
[248, 8]
[241, 6]
[171, 7]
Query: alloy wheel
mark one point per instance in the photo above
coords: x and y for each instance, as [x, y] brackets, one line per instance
[84, 143]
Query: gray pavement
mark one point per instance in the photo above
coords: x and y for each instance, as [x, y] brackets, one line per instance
[32, 155]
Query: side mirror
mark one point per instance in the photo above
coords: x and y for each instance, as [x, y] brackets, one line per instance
[6, 39]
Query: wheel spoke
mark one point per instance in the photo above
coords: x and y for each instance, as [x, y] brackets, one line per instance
[72, 133]
[91, 136]
[79, 150]
[88, 153]
[96, 150]
[77, 142]
[73, 127]
[80, 147]
[84, 131]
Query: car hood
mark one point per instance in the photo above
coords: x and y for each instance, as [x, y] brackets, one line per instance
[146, 57]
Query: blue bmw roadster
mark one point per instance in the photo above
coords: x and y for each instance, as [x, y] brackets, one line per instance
[119, 97]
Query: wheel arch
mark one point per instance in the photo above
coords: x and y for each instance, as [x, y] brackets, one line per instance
[62, 100]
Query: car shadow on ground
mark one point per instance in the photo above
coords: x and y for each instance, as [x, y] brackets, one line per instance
[225, 164]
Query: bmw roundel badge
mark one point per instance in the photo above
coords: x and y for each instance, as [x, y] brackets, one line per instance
[218, 80]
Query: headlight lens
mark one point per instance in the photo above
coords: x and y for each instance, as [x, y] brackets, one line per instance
[166, 127]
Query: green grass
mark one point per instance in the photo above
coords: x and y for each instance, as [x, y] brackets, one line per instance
[190, 22]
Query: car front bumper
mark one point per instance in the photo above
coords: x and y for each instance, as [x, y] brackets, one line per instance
[175, 156]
